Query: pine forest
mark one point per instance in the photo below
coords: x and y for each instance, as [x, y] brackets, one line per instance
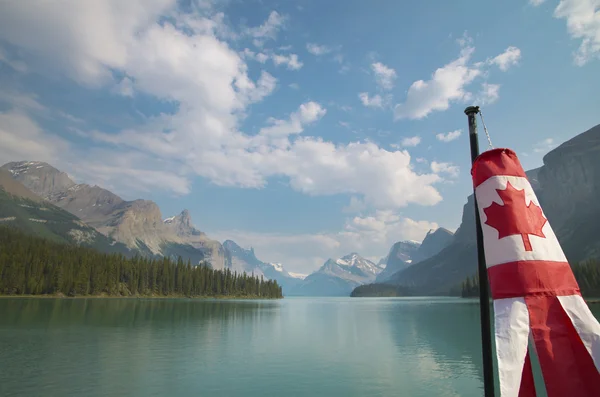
[32, 265]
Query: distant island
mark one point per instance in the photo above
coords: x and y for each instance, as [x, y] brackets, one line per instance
[31, 265]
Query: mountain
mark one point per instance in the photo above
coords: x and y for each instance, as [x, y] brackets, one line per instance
[137, 224]
[567, 186]
[404, 254]
[24, 210]
[399, 258]
[244, 260]
[435, 241]
[339, 277]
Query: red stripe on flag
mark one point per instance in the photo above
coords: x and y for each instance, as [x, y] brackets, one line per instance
[523, 278]
[567, 366]
[527, 387]
[496, 162]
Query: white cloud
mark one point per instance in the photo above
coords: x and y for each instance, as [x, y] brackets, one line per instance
[307, 113]
[209, 84]
[375, 101]
[449, 136]
[489, 94]
[371, 236]
[536, 3]
[257, 56]
[508, 58]
[385, 76]
[268, 30]
[583, 22]
[291, 61]
[23, 139]
[445, 168]
[124, 87]
[110, 27]
[17, 65]
[411, 141]
[21, 101]
[544, 146]
[294, 86]
[317, 49]
[447, 84]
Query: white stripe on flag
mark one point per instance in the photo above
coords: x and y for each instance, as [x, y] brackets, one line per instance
[512, 332]
[511, 248]
[585, 323]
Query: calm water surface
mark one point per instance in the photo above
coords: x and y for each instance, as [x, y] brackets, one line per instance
[292, 347]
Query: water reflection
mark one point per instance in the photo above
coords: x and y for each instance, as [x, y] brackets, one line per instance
[294, 347]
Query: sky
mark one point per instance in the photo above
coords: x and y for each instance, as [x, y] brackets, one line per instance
[304, 129]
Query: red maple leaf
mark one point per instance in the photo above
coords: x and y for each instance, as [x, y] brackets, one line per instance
[514, 217]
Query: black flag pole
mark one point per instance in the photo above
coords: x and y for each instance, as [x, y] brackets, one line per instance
[484, 302]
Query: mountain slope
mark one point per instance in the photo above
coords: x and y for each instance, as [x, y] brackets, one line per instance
[244, 260]
[434, 242]
[137, 224]
[568, 187]
[339, 277]
[22, 209]
[399, 258]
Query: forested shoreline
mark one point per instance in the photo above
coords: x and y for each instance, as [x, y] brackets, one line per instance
[31, 265]
[586, 273]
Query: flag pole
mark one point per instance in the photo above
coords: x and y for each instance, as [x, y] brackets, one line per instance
[484, 302]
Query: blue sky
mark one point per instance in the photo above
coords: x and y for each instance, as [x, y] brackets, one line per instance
[306, 129]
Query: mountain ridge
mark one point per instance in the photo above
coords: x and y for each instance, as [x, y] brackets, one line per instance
[138, 224]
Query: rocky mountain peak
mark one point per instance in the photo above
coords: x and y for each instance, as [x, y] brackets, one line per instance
[39, 177]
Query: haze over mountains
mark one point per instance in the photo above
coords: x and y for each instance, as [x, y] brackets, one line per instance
[41, 199]
[567, 186]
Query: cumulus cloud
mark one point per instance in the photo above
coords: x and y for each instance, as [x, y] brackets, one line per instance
[317, 49]
[23, 139]
[583, 23]
[536, 3]
[375, 101]
[411, 141]
[444, 168]
[508, 58]
[489, 94]
[449, 83]
[184, 61]
[290, 60]
[307, 113]
[268, 30]
[384, 75]
[371, 235]
[449, 136]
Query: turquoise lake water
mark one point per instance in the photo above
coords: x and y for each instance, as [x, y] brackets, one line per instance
[291, 347]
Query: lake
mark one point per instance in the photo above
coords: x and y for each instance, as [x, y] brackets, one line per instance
[291, 347]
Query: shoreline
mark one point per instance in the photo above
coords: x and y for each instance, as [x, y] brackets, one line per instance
[62, 296]
[589, 301]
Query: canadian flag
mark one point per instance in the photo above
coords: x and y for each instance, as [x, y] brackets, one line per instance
[533, 288]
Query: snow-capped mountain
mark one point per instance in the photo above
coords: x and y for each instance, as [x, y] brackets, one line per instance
[399, 258]
[137, 224]
[338, 277]
[244, 260]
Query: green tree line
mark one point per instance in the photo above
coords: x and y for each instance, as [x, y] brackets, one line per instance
[31, 265]
[586, 273]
